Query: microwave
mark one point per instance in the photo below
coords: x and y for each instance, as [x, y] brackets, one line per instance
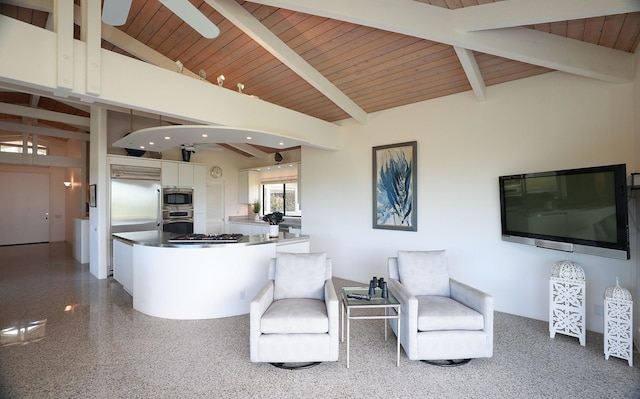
[177, 196]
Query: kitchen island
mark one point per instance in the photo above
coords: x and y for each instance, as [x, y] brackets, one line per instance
[196, 280]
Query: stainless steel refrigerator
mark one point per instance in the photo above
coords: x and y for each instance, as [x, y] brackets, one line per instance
[135, 199]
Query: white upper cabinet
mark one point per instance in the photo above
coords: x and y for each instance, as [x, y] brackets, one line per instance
[177, 174]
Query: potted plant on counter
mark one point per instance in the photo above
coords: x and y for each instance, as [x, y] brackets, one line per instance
[274, 220]
[256, 210]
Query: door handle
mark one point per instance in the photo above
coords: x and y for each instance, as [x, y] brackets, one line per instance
[46, 216]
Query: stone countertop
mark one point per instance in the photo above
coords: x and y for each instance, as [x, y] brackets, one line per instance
[247, 220]
[287, 222]
[161, 239]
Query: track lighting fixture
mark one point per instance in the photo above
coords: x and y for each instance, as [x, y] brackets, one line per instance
[220, 80]
[202, 74]
[240, 88]
[180, 66]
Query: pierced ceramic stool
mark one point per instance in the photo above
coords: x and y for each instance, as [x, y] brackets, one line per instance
[618, 323]
[567, 301]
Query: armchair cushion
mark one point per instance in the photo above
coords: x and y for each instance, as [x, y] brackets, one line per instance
[300, 276]
[436, 313]
[424, 272]
[295, 316]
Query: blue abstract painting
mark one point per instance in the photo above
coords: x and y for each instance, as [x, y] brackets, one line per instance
[394, 168]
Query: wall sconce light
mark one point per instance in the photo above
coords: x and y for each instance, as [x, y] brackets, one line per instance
[240, 88]
[67, 184]
[180, 66]
[220, 80]
[203, 74]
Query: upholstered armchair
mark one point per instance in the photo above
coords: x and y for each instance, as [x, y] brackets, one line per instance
[294, 317]
[443, 320]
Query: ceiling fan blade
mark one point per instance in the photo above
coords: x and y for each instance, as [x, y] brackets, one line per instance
[192, 16]
[115, 12]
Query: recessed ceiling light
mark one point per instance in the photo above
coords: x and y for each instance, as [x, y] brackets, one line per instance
[142, 147]
[205, 135]
[151, 143]
[281, 143]
[248, 137]
[167, 138]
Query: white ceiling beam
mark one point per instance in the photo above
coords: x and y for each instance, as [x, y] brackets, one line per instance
[472, 70]
[506, 14]
[249, 149]
[434, 23]
[43, 131]
[39, 5]
[241, 18]
[21, 110]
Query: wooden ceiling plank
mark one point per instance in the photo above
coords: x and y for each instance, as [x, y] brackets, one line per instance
[611, 30]
[628, 38]
[506, 14]
[575, 29]
[243, 19]
[397, 63]
[371, 50]
[593, 29]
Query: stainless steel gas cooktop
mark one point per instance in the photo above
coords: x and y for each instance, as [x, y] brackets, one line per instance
[206, 238]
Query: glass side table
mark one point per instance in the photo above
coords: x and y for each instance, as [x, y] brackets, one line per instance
[347, 305]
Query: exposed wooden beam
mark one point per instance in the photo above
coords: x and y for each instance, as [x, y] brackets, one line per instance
[506, 14]
[240, 17]
[439, 24]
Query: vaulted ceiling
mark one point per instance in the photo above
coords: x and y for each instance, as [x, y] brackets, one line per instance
[339, 59]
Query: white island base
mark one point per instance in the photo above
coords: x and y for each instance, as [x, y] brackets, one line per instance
[201, 282]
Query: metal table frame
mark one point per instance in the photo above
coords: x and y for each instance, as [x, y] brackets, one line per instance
[347, 304]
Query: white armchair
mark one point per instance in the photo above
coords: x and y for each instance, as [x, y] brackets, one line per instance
[294, 317]
[443, 320]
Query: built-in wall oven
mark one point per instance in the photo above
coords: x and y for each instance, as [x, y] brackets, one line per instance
[177, 210]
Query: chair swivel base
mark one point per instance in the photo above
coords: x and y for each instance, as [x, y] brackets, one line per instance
[447, 363]
[295, 366]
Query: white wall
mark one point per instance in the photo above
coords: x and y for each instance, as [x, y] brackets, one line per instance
[553, 121]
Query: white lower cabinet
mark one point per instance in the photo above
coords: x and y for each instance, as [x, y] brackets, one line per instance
[123, 265]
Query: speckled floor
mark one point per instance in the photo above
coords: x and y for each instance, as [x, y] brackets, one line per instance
[78, 337]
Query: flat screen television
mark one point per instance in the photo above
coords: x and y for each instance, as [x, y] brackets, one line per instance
[575, 210]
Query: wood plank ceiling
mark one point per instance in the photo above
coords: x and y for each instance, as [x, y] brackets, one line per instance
[376, 69]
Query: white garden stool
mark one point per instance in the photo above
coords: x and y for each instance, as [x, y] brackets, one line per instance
[618, 323]
[567, 301]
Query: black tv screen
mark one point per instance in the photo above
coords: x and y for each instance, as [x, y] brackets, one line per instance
[576, 210]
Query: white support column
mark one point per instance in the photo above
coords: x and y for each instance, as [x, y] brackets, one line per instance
[98, 175]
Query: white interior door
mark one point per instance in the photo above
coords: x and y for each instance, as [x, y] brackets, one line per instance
[24, 217]
[215, 208]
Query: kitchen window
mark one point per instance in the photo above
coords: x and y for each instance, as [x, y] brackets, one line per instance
[281, 197]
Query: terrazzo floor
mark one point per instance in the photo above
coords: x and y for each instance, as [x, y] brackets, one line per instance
[66, 334]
